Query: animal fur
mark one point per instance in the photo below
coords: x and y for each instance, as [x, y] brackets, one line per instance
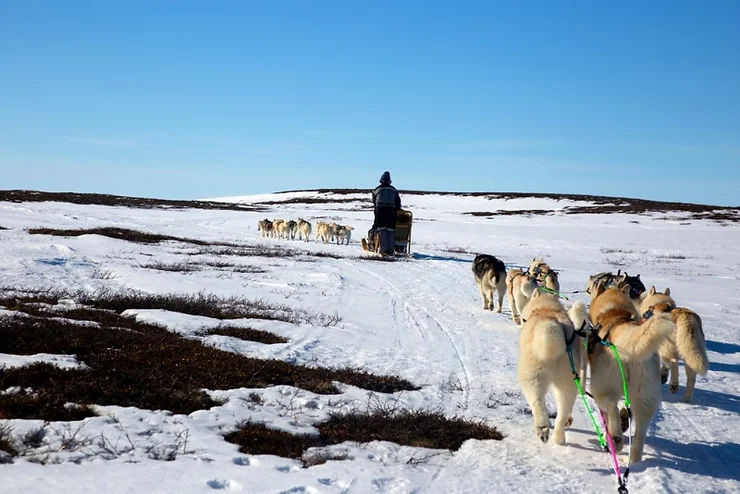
[490, 274]
[543, 363]
[304, 229]
[519, 287]
[616, 319]
[686, 343]
[544, 275]
[343, 233]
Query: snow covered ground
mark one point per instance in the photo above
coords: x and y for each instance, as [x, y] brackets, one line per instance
[419, 318]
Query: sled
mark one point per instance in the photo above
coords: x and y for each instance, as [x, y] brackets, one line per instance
[402, 245]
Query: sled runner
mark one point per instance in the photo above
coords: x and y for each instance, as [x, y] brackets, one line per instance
[402, 245]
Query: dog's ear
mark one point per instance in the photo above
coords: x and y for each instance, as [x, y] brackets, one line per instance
[619, 272]
[668, 291]
[536, 293]
[651, 291]
[638, 276]
[626, 290]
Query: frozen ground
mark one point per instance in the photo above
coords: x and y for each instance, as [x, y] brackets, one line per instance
[419, 318]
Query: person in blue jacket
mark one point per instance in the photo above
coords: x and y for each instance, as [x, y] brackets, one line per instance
[386, 202]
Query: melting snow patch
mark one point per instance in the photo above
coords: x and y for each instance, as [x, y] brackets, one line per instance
[62, 361]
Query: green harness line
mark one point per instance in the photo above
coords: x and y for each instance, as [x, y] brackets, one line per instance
[544, 288]
[577, 380]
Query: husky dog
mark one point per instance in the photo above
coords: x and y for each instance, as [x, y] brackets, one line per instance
[292, 229]
[304, 229]
[320, 226]
[543, 362]
[325, 231]
[686, 342]
[265, 227]
[281, 228]
[618, 280]
[616, 321]
[490, 273]
[519, 287]
[343, 233]
[544, 275]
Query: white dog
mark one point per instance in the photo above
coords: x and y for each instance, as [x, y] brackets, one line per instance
[304, 229]
[543, 362]
[519, 288]
[343, 233]
[686, 342]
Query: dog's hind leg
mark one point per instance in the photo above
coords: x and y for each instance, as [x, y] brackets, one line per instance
[690, 383]
[501, 291]
[642, 416]
[673, 386]
[565, 397]
[534, 392]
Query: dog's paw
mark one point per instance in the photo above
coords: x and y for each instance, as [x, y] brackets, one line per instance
[673, 388]
[569, 422]
[618, 443]
[543, 432]
[558, 439]
[498, 310]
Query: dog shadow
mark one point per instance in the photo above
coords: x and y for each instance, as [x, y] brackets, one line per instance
[722, 347]
[716, 460]
[720, 367]
[705, 398]
[429, 257]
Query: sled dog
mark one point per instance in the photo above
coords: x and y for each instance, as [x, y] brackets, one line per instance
[490, 274]
[281, 228]
[686, 342]
[543, 362]
[519, 287]
[292, 229]
[616, 321]
[343, 233]
[619, 280]
[304, 229]
[265, 227]
[544, 275]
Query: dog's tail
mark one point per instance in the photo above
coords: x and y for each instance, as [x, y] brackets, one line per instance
[690, 341]
[578, 314]
[641, 342]
[548, 341]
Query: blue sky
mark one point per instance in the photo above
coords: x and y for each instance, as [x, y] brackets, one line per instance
[180, 99]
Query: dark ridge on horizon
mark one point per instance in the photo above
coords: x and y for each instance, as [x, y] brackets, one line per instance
[596, 199]
[601, 204]
[87, 198]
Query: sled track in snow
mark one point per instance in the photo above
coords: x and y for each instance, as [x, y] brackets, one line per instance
[420, 319]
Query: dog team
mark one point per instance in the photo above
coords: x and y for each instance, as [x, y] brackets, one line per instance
[645, 326]
[289, 230]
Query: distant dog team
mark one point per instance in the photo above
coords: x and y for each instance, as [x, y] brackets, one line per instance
[289, 230]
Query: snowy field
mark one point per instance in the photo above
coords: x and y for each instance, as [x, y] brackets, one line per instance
[419, 318]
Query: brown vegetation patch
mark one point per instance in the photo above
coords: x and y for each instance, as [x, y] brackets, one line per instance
[199, 304]
[142, 365]
[511, 212]
[248, 334]
[117, 233]
[113, 200]
[417, 428]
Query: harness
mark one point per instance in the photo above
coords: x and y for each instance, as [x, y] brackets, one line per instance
[593, 338]
[651, 311]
